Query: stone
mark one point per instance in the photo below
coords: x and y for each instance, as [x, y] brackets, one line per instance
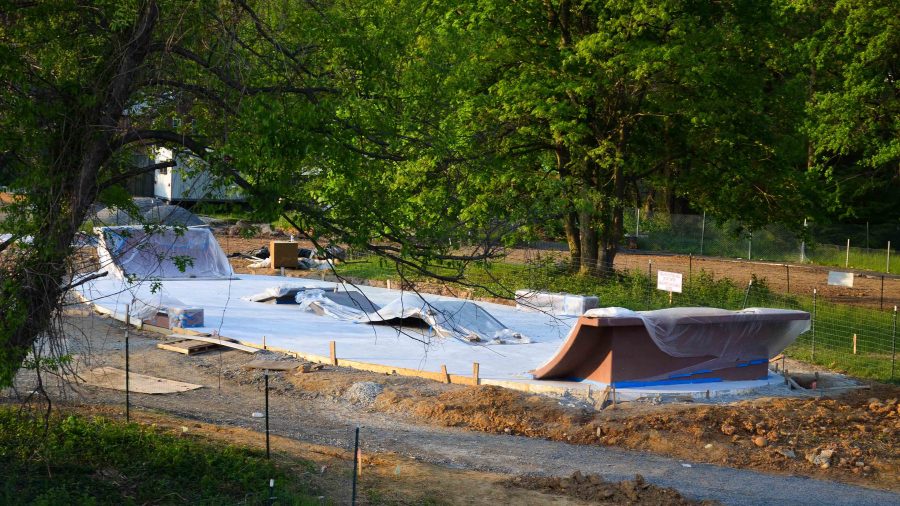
[728, 429]
[823, 459]
[787, 452]
[760, 441]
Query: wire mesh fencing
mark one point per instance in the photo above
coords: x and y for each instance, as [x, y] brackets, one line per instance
[864, 247]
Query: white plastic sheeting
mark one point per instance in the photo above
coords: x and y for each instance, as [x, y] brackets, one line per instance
[748, 334]
[278, 291]
[163, 253]
[555, 303]
[456, 319]
[148, 305]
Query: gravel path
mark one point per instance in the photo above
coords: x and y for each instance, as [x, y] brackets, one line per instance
[329, 421]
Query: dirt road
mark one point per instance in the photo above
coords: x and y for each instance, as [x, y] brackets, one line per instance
[326, 418]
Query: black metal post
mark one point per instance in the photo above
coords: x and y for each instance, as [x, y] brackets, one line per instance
[268, 454]
[355, 467]
[271, 500]
[893, 343]
[127, 365]
[813, 323]
[691, 274]
[649, 282]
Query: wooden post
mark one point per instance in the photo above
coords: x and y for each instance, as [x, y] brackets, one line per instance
[332, 346]
[475, 371]
[445, 374]
[854, 344]
[264, 343]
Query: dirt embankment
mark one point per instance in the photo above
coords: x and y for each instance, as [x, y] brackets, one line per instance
[853, 438]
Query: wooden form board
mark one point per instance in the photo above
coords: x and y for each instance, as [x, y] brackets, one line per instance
[187, 346]
[273, 365]
[110, 377]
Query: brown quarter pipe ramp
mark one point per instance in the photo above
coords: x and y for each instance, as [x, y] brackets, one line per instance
[679, 345]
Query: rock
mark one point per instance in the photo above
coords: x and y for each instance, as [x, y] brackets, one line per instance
[708, 446]
[577, 477]
[787, 452]
[728, 429]
[363, 393]
[760, 441]
[823, 459]
[860, 463]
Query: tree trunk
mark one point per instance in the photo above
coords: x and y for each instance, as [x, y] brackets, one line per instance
[589, 243]
[570, 218]
[33, 286]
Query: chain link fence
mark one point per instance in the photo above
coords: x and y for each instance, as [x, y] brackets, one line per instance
[864, 247]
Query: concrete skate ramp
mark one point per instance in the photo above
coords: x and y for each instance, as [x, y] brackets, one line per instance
[678, 345]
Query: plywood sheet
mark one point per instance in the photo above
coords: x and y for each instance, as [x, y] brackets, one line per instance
[110, 377]
[187, 346]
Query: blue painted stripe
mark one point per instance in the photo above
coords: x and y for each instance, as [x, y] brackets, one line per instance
[637, 384]
[759, 361]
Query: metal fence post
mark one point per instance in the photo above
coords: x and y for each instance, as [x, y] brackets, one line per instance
[268, 451]
[649, 282]
[750, 246]
[887, 264]
[355, 466]
[847, 260]
[127, 365]
[813, 324]
[703, 232]
[893, 342]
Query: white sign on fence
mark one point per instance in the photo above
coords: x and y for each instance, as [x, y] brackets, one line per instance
[836, 278]
[668, 281]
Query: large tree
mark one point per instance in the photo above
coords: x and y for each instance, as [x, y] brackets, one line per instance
[295, 102]
[610, 96]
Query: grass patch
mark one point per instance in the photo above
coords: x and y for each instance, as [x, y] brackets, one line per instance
[96, 461]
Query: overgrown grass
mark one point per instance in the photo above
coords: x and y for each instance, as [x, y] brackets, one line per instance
[97, 461]
[835, 324]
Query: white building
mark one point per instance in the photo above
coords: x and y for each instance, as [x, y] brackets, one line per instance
[189, 181]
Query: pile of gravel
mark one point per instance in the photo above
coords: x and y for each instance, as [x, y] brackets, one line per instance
[363, 393]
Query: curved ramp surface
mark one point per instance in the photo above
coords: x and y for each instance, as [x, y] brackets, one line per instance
[679, 345]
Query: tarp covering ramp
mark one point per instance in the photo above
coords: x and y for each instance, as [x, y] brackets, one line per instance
[693, 344]
[141, 253]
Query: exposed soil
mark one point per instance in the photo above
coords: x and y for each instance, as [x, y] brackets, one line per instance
[593, 488]
[859, 432]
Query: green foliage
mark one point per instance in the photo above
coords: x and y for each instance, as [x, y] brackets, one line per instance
[79, 460]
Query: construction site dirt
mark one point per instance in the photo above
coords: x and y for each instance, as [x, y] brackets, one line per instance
[748, 452]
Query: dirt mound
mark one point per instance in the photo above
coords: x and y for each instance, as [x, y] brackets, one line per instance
[851, 438]
[490, 409]
[593, 488]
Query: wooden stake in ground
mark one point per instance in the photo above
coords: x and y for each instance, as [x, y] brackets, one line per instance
[445, 374]
[475, 368]
[333, 348]
[854, 344]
